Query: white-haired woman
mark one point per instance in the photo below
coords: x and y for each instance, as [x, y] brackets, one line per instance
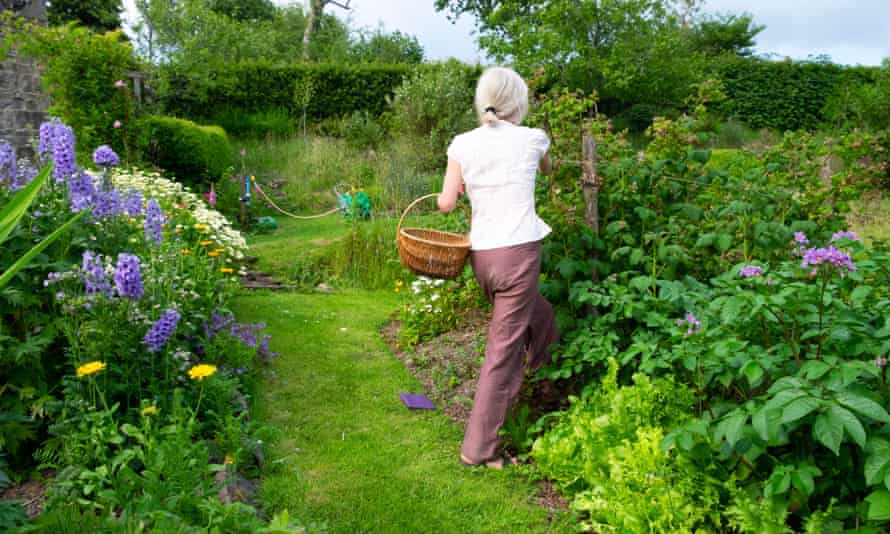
[496, 165]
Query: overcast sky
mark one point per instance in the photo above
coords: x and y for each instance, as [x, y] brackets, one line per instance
[849, 31]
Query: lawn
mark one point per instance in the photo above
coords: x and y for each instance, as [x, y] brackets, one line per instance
[350, 457]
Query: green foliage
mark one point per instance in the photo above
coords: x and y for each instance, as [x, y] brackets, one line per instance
[433, 307]
[382, 47]
[336, 90]
[362, 131]
[192, 153]
[98, 15]
[733, 34]
[606, 449]
[783, 95]
[244, 10]
[81, 70]
[857, 105]
[431, 107]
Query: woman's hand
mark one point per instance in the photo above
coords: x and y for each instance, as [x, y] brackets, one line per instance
[545, 165]
[453, 186]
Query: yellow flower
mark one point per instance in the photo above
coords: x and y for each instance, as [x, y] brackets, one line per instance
[201, 227]
[178, 230]
[90, 368]
[213, 253]
[150, 410]
[202, 371]
[399, 283]
[227, 270]
[219, 250]
[228, 460]
[185, 252]
[205, 243]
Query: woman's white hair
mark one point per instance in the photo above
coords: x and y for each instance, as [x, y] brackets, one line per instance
[501, 94]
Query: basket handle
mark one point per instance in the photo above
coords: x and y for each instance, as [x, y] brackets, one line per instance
[424, 197]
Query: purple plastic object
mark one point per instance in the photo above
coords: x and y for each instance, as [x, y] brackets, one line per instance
[417, 402]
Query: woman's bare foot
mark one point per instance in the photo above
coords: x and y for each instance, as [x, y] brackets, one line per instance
[497, 462]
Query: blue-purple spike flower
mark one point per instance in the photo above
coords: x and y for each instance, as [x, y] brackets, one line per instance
[154, 221]
[45, 143]
[81, 191]
[107, 204]
[25, 175]
[128, 276]
[132, 204]
[105, 156]
[95, 279]
[161, 331]
[63, 152]
[845, 235]
[8, 168]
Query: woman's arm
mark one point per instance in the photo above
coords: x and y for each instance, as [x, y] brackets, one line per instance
[546, 165]
[453, 186]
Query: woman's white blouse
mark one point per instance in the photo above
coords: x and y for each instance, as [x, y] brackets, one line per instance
[499, 164]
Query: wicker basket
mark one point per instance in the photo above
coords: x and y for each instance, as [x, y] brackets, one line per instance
[432, 253]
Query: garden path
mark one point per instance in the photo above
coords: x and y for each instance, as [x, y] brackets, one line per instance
[350, 457]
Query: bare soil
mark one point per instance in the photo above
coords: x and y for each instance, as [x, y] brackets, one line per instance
[31, 492]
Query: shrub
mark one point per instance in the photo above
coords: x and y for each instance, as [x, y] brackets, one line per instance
[275, 122]
[81, 70]
[191, 152]
[433, 106]
[361, 130]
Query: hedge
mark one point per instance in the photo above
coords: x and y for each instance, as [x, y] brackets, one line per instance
[192, 153]
[783, 95]
[252, 87]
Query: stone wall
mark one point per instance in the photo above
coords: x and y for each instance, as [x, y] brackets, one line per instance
[23, 104]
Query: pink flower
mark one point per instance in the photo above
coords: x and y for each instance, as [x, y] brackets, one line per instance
[117, 124]
[211, 197]
[120, 84]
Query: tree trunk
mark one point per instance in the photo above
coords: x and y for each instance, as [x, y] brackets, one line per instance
[316, 8]
[590, 185]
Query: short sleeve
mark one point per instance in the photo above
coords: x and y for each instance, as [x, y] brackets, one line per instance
[540, 141]
[455, 150]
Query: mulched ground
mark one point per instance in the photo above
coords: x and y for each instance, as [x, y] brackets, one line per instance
[31, 492]
[448, 367]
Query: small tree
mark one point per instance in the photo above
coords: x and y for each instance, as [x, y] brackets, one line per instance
[100, 15]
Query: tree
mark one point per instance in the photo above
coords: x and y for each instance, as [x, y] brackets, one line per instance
[734, 34]
[382, 47]
[244, 10]
[316, 10]
[100, 15]
[630, 51]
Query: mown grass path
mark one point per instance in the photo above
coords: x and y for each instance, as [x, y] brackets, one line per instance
[350, 457]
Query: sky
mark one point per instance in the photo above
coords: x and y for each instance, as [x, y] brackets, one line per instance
[848, 31]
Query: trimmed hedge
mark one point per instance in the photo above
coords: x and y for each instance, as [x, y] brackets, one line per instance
[783, 95]
[192, 153]
[334, 90]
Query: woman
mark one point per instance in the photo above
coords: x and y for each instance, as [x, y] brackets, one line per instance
[497, 163]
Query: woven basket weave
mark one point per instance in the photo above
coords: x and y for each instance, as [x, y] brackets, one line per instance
[432, 253]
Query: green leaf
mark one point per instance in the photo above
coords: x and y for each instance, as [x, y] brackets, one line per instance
[37, 249]
[705, 240]
[731, 427]
[18, 204]
[859, 294]
[851, 424]
[876, 463]
[782, 398]
[878, 505]
[799, 408]
[732, 309]
[861, 405]
[753, 372]
[803, 482]
[724, 241]
[766, 424]
[700, 156]
[815, 369]
[829, 432]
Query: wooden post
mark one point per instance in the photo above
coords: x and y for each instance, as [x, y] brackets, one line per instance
[590, 185]
[245, 198]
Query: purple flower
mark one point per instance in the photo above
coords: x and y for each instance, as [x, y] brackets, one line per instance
[750, 271]
[801, 238]
[107, 204]
[95, 279]
[25, 175]
[160, 332]
[45, 143]
[693, 325]
[132, 204]
[845, 235]
[120, 84]
[154, 220]
[104, 156]
[117, 124]
[218, 322]
[62, 151]
[128, 276]
[8, 168]
[828, 256]
[81, 191]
